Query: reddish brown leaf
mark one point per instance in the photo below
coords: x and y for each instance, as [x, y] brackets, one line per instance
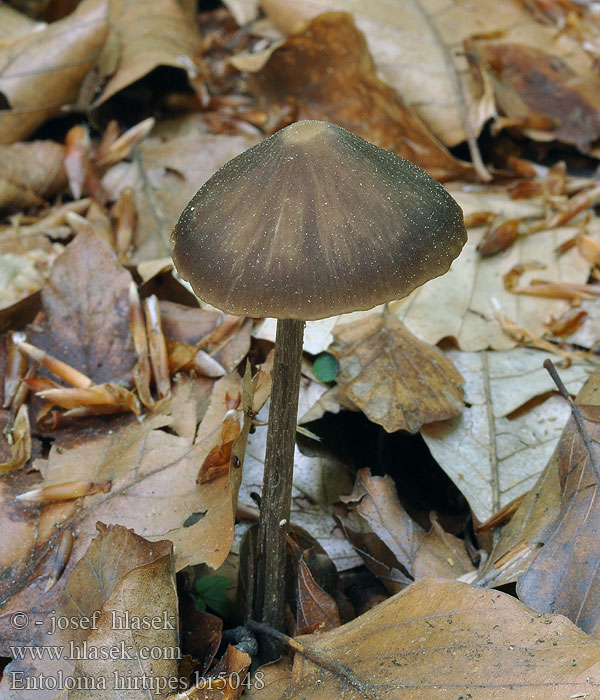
[499, 236]
[328, 70]
[315, 608]
[529, 81]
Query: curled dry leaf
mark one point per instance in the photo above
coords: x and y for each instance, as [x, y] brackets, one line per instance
[43, 70]
[157, 347]
[16, 367]
[144, 36]
[223, 682]
[218, 460]
[141, 370]
[567, 324]
[57, 367]
[399, 382]
[114, 148]
[567, 211]
[77, 152]
[499, 236]
[20, 442]
[327, 68]
[539, 87]
[415, 553]
[100, 399]
[67, 491]
[315, 608]
[422, 642]
[564, 576]
[30, 172]
[122, 579]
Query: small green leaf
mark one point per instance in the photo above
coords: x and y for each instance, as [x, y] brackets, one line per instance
[211, 592]
[325, 367]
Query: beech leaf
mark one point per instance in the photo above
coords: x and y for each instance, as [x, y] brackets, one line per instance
[397, 380]
[440, 639]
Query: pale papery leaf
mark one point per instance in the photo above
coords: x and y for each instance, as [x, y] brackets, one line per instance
[24, 274]
[13, 23]
[318, 483]
[492, 455]
[244, 11]
[460, 304]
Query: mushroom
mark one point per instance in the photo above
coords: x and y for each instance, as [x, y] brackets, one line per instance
[311, 222]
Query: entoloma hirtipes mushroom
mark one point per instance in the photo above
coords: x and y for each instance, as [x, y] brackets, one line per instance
[311, 222]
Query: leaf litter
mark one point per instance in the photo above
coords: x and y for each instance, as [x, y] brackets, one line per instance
[124, 402]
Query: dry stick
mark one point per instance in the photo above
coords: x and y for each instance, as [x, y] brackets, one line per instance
[334, 667]
[269, 598]
[577, 417]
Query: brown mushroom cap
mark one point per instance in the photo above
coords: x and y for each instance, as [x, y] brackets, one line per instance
[312, 222]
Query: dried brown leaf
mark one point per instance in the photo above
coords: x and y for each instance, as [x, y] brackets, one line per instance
[29, 172]
[399, 382]
[165, 174]
[328, 70]
[422, 642]
[532, 83]
[86, 306]
[416, 553]
[564, 576]
[141, 462]
[144, 36]
[101, 399]
[20, 443]
[315, 608]
[122, 579]
[14, 23]
[43, 70]
[520, 540]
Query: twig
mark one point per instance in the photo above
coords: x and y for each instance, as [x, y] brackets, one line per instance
[577, 417]
[333, 667]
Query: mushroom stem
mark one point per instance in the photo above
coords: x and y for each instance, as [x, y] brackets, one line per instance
[269, 596]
